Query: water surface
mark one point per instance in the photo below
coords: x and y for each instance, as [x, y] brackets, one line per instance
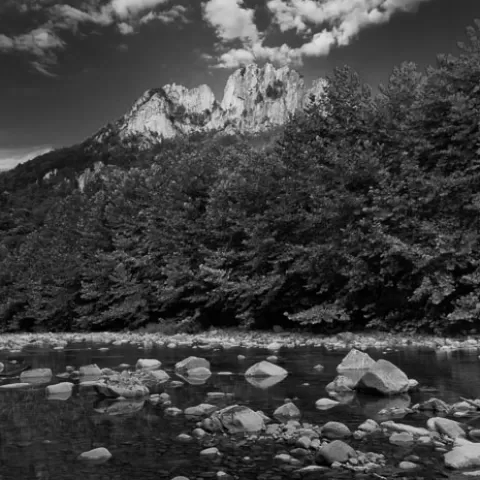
[41, 438]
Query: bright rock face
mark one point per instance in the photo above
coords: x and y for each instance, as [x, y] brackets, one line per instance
[255, 99]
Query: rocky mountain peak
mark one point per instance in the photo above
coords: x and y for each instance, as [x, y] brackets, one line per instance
[255, 99]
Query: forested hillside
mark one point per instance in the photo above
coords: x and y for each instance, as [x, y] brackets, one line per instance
[368, 216]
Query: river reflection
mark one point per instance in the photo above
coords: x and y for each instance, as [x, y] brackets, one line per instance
[41, 437]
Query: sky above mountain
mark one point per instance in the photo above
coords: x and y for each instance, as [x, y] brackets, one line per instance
[68, 67]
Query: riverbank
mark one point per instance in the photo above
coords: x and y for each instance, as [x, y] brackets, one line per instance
[230, 338]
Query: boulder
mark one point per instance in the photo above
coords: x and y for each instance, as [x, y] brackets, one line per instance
[92, 371]
[287, 411]
[401, 438]
[446, 426]
[384, 378]
[36, 376]
[356, 360]
[191, 363]
[325, 403]
[336, 451]
[466, 455]
[406, 465]
[369, 426]
[201, 410]
[148, 364]
[60, 389]
[97, 455]
[210, 453]
[401, 427]
[240, 419]
[15, 386]
[151, 378]
[342, 383]
[335, 431]
[435, 405]
[266, 369]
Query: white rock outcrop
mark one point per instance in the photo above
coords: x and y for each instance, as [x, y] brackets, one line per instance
[255, 99]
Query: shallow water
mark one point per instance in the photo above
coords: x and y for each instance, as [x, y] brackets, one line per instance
[41, 439]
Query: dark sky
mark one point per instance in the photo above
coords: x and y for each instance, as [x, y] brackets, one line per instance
[68, 67]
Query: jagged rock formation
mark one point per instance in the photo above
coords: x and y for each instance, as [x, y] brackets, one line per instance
[255, 99]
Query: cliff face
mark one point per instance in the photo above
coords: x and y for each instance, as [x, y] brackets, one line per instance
[255, 99]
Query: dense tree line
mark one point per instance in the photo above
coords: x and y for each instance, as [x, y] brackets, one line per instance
[366, 212]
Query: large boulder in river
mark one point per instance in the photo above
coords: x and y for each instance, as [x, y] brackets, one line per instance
[36, 376]
[446, 426]
[151, 378]
[265, 369]
[336, 451]
[335, 431]
[384, 378]
[201, 410]
[91, 372]
[463, 455]
[288, 411]
[356, 360]
[97, 455]
[240, 419]
[148, 364]
[191, 363]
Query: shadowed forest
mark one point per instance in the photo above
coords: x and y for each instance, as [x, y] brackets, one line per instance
[364, 211]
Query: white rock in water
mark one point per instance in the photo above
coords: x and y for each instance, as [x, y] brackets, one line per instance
[325, 403]
[210, 452]
[59, 388]
[384, 378]
[265, 369]
[466, 455]
[92, 371]
[148, 364]
[36, 376]
[14, 386]
[190, 363]
[97, 455]
[356, 360]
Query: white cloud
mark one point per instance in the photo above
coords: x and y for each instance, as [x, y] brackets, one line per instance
[125, 28]
[127, 8]
[174, 14]
[231, 20]
[43, 42]
[337, 23]
[10, 157]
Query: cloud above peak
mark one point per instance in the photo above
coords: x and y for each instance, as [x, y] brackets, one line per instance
[43, 43]
[231, 20]
[322, 24]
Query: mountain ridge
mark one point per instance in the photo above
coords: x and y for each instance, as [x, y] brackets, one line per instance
[255, 99]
